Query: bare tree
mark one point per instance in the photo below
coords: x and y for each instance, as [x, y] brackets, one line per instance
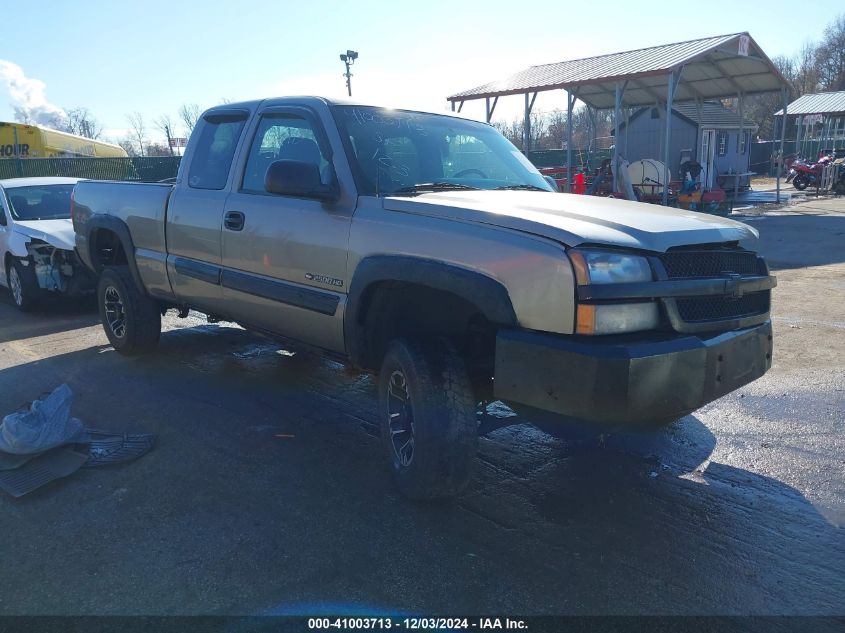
[128, 146]
[807, 75]
[556, 130]
[830, 56]
[139, 130]
[511, 130]
[82, 122]
[165, 125]
[190, 114]
[158, 149]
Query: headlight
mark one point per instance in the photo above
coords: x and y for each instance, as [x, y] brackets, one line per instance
[607, 267]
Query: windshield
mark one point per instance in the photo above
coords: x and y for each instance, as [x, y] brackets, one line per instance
[41, 202]
[401, 152]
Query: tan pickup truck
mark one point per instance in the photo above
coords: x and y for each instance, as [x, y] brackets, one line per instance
[427, 249]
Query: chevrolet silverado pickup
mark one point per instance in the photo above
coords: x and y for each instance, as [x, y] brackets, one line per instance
[426, 248]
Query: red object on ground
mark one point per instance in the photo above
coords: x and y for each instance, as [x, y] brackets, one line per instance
[558, 173]
[578, 185]
[714, 195]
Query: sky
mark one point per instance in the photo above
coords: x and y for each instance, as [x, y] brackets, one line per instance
[115, 58]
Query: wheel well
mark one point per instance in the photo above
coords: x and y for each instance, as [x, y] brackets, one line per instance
[390, 310]
[107, 249]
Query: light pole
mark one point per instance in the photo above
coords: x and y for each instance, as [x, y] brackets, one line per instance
[348, 58]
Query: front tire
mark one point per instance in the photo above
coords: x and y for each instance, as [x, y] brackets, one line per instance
[428, 422]
[131, 319]
[800, 182]
[23, 285]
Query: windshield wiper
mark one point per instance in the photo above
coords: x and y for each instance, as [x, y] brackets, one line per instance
[522, 187]
[432, 186]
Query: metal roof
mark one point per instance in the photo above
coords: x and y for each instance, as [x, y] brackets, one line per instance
[712, 68]
[713, 115]
[817, 103]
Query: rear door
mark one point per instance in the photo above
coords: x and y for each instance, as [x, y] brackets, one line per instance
[195, 210]
[284, 257]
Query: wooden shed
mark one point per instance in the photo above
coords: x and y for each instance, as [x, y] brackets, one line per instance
[707, 132]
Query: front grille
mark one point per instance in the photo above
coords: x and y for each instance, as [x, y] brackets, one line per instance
[703, 309]
[711, 263]
[700, 264]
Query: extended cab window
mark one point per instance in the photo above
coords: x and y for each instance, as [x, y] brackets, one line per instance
[215, 150]
[282, 137]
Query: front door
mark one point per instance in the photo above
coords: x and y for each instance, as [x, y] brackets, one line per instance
[284, 257]
[706, 156]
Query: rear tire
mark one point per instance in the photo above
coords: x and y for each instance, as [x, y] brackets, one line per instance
[131, 319]
[23, 285]
[800, 182]
[428, 419]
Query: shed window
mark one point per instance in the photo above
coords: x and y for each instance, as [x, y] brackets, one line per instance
[743, 142]
[722, 143]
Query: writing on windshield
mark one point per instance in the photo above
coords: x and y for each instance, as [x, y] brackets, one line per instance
[399, 151]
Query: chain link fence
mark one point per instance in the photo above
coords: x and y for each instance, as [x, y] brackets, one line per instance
[136, 168]
[590, 160]
[763, 154]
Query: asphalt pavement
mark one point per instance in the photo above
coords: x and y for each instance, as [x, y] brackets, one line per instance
[267, 491]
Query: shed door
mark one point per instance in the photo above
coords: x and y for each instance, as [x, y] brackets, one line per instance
[708, 142]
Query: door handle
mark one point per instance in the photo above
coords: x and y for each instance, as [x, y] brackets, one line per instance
[234, 220]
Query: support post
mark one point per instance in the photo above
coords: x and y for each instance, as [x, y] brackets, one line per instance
[739, 140]
[526, 126]
[487, 109]
[570, 101]
[453, 106]
[627, 127]
[798, 123]
[617, 103]
[785, 98]
[826, 133]
[591, 129]
[670, 95]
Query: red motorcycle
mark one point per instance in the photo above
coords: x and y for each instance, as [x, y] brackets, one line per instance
[803, 174]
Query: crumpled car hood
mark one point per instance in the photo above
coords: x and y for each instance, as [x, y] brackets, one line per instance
[578, 219]
[58, 233]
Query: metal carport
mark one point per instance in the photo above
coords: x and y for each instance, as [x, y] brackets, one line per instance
[827, 107]
[719, 67]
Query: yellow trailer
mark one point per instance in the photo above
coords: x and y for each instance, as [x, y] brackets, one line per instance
[18, 140]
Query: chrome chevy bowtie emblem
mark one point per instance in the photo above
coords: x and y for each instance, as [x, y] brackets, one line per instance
[733, 288]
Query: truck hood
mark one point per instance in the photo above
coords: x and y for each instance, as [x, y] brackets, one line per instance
[58, 233]
[577, 219]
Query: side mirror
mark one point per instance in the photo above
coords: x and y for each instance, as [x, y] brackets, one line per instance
[297, 178]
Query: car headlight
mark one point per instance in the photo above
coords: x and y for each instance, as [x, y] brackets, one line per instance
[608, 267]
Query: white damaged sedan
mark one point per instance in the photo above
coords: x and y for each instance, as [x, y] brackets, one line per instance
[37, 254]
